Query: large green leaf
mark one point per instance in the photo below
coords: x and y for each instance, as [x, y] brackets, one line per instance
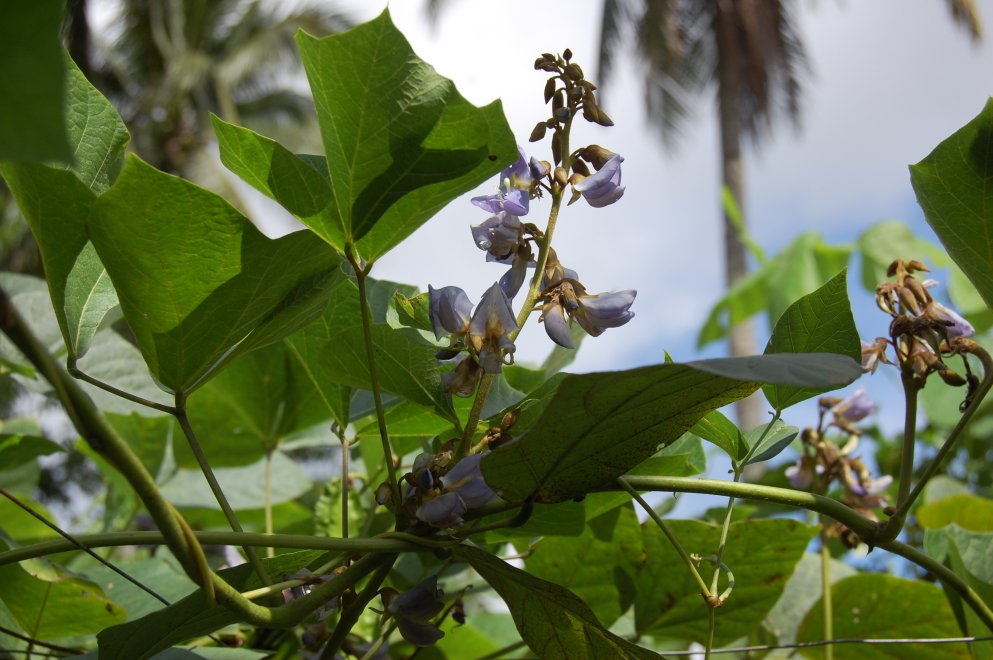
[551, 619]
[886, 241]
[32, 75]
[803, 266]
[196, 280]
[967, 510]
[253, 404]
[299, 184]
[715, 428]
[820, 322]
[190, 617]
[244, 486]
[49, 603]
[953, 187]
[401, 142]
[824, 370]
[968, 554]
[114, 360]
[56, 201]
[883, 607]
[801, 592]
[600, 566]
[668, 602]
[598, 426]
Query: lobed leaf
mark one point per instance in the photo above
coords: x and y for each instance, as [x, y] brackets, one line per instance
[400, 141]
[196, 279]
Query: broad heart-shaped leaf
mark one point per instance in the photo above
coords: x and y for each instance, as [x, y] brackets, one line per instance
[884, 607]
[244, 486]
[299, 184]
[968, 554]
[966, 510]
[953, 187]
[598, 426]
[600, 566]
[820, 322]
[803, 266]
[400, 141]
[55, 202]
[192, 616]
[196, 280]
[48, 602]
[32, 75]
[552, 620]
[761, 553]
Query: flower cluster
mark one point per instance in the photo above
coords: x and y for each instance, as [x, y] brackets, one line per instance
[481, 340]
[441, 493]
[922, 331]
[824, 463]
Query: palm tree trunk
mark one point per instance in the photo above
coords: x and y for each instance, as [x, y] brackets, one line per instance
[742, 335]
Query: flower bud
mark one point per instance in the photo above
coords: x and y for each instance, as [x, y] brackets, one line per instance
[538, 133]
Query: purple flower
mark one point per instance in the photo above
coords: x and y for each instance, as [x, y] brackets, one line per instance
[515, 189]
[414, 609]
[449, 308]
[499, 235]
[957, 326]
[489, 330]
[604, 187]
[873, 353]
[604, 310]
[855, 408]
[556, 326]
[467, 480]
[446, 510]
[461, 381]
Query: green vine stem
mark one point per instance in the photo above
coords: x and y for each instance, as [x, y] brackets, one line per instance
[831, 508]
[473, 421]
[76, 372]
[370, 352]
[408, 543]
[270, 552]
[215, 487]
[707, 594]
[892, 528]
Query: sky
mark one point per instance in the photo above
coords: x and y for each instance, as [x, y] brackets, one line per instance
[889, 80]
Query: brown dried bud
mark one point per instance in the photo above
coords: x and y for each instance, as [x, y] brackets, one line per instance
[579, 167]
[561, 176]
[549, 89]
[510, 419]
[893, 267]
[384, 495]
[604, 119]
[567, 54]
[538, 133]
[915, 286]
[558, 100]
[591, 113]
[909, 300]
[914, 265]
[556, 148]
[573, 71]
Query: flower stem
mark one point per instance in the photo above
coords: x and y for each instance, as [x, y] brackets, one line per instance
[85, 377]
[377, 397]
[350, 615]
[477, 409]
[673, 539]
[267, 501]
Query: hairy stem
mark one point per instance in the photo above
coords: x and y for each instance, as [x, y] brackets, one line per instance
[215, 487]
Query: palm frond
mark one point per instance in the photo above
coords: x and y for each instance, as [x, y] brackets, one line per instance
[965, 14]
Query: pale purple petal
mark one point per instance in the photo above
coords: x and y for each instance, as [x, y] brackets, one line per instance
[604, 187]
[467, 480]
[449, 308]
[556, 326]
[446, 510]
[959, 326]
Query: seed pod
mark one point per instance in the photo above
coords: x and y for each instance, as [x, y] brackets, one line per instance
[538, 133]
[549, 89]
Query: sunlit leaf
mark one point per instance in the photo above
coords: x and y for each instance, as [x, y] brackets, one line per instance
[952, 186]
[401, 142]
[820, 322]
